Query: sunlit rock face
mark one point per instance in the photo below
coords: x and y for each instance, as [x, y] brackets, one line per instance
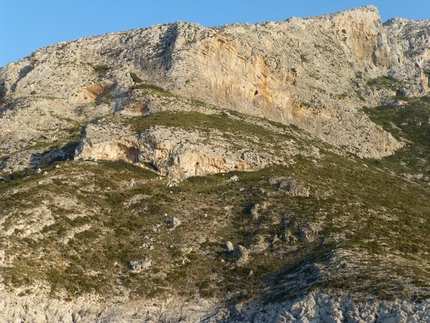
[256, 246]
[309, 72]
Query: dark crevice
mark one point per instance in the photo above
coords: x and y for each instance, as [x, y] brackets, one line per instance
[152, 167]
[22, 73]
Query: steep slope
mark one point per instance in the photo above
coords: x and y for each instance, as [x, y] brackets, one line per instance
[308, 72]
[334, 236]
[261, 173]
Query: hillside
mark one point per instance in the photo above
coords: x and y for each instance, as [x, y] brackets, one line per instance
[276, 172]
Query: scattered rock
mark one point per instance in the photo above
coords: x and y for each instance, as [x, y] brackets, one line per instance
[139, 265]
[289, 186]
[241, 255]
[186, 250]
[174, 223]
[287, 236]
[307, 232]
[234, 178]
[173, 182]
[259, 244]
[228, 246]
[130, 183]
[255, 211]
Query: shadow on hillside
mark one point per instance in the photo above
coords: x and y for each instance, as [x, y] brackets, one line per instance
[64, 153]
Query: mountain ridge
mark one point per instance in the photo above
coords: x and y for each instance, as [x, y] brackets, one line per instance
[268, 172]
[278, 92]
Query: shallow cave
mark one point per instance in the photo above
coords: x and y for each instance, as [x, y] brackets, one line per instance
[131, 153]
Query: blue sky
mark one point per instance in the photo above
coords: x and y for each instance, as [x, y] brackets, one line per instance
[26, 25]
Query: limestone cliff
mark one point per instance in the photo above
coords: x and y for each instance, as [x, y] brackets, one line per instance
[309, 72]
[231, 174]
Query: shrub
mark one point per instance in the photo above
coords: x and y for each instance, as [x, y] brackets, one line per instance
[135, 78]
[101, 69]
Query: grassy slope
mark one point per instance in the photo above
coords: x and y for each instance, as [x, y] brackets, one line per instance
[411, 122]
[371, 221]
[371, 238]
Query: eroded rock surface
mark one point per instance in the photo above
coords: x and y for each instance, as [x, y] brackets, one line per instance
[309, 72]
[292, 83]
[179, 153]
[315, 307]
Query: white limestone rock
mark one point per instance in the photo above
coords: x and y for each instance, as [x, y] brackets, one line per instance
[174, 223]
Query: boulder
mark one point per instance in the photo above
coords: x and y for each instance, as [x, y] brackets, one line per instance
[139, 265]
[241, 255]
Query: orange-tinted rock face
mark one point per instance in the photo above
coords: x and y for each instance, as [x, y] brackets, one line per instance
[236, 76]
[297, 71]
[310, 72]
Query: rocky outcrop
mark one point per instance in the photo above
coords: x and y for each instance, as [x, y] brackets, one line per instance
[178, 153]
[37, 309]
[408, 53]
[280, 87]
[297, 71]
[318, 307]
[309, 72]
[315, 307]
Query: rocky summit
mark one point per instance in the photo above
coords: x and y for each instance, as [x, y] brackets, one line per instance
[276, 172]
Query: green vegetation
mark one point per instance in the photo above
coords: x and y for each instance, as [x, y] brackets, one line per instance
[363, 223]
[157, 89]
[195, 120]
[135, 78]
[101, 69]
[363, 196]
[385, 82]
[303, 58]
[148, 88]
[411, 123]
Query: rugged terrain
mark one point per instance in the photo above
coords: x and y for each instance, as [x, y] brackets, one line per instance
[276, 172]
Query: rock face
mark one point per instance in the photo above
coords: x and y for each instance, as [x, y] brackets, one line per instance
[315, 307]
[180, 153]
[165, 98]
[409, 59]
[308, 72]
[173, 152]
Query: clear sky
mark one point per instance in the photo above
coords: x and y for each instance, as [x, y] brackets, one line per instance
[26, 25]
